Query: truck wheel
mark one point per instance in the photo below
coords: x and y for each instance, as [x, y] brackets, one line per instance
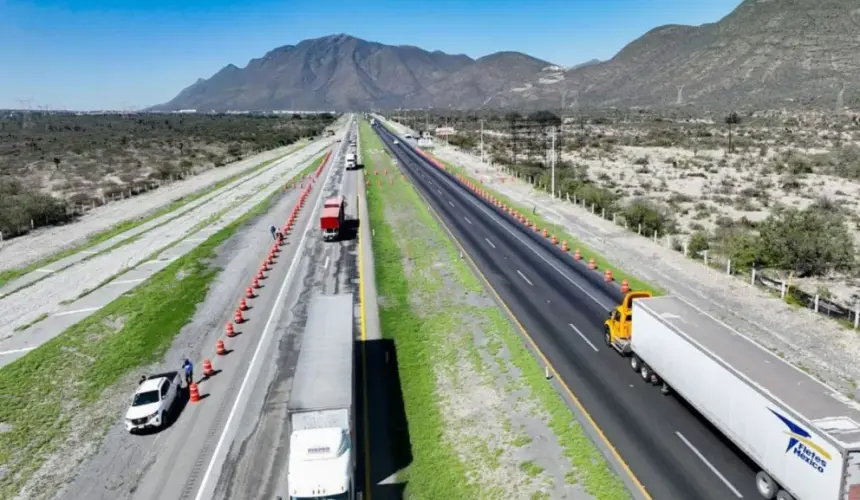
[765, 485]
[784, 495]
[634, 362]
[665, 389]
[607, 338]
[645, 372]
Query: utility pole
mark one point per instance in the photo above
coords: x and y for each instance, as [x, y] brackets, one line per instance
[552, 162]
[482, 141]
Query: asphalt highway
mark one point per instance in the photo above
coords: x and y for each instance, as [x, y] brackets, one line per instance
[669, 448]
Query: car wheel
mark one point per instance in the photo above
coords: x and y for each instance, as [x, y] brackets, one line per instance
[765, 485]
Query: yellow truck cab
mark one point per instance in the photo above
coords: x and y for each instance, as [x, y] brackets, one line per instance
[618, 328]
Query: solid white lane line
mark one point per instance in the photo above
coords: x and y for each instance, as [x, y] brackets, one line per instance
[467, 220]
[523, 276]
[13, 351]
[125, 282]
[44, 270]
[76, 311]
[709, 464]
[267, 330]
[325, 266]
[494, 246]
[583, 337]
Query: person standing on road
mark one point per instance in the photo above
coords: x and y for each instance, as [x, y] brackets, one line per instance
[274, 231]
[189, 371]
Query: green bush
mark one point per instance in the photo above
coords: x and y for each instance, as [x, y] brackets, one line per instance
[651, 216]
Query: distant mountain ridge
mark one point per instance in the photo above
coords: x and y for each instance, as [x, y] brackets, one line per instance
[341, 72]
[764, 54]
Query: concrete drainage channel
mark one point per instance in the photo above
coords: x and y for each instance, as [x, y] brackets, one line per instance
[48, 327]
[39, 274]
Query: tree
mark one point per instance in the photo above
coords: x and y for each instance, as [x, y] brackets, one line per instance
[731, 120]
[56, 162]
[809, 242]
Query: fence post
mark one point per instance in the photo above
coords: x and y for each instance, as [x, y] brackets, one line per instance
[686, 250]
[705, 256]
[729, 266]
[816, 302]
[857, 315]
[655, 236]
[782, 289]
[603, 213]
[1, 235]
[32, 224]
[574, 199]
[568, 197]
[640, 228]
[614, 218]
[752, 278]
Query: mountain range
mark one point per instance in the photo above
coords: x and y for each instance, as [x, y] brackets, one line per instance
[766, 53]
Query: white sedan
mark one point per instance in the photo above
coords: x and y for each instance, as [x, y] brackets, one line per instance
[152, 401]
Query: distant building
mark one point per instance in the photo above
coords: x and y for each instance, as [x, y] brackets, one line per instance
[445, 131]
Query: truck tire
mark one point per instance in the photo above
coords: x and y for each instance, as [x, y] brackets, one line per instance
[635, 362]
[607, 337]
[665, 389]
[645, 372]
[765, 485]
[784, 495]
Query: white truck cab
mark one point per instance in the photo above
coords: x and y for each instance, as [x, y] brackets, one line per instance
[320, 465]
[152, 401]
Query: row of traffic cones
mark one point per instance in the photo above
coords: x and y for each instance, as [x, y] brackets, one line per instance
[250, 293]
[517, 216]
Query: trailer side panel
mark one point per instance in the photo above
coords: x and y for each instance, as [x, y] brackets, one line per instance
[806, 464]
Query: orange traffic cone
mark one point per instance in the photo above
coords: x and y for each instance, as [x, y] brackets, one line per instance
[237, 317]
[545, 233]
[592, 264]
[260, 275]
[229, 329]
[625, 286]
[607, 275]
[219, 348]
[577, 255]
[256, 283]
[207, 368]
[193, 393]
[243, 305]
[249, 293]
[554, 240]
[264, 266]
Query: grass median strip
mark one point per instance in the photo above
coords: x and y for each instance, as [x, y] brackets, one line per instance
[102, 236]
[46, 393]
[560, 232]
[469, 382]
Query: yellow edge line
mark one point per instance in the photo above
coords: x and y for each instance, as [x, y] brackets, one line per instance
[363, 323]
[540, 354]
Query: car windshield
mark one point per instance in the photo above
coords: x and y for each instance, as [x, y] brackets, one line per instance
[146, 398]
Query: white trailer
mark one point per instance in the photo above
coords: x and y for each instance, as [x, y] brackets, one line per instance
[322, 457]
[804, 435]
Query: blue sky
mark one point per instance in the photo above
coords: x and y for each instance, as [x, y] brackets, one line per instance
[112, 54]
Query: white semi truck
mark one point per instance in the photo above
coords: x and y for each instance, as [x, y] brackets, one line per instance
[321, 462]
[803, 435]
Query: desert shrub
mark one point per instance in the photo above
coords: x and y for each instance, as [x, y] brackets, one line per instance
[698, 243]
[650, 215]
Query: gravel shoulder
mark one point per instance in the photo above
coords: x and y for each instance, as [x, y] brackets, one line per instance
[41, 243]
[45, 296]
[483, 422]
[812, 343]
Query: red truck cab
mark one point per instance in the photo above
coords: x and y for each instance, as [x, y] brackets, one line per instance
[331, 220]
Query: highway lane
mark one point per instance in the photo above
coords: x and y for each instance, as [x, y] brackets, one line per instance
[670, 450]
[257, 462]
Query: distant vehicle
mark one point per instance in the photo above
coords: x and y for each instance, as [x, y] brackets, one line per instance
[396, 141]
[321, 463]
[331, 220]
[803, 435]
[152, 401]
[407, 136]
[350, 161]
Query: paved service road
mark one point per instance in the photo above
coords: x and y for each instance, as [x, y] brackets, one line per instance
[185, 460]
[256, 465]
[670, 449]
